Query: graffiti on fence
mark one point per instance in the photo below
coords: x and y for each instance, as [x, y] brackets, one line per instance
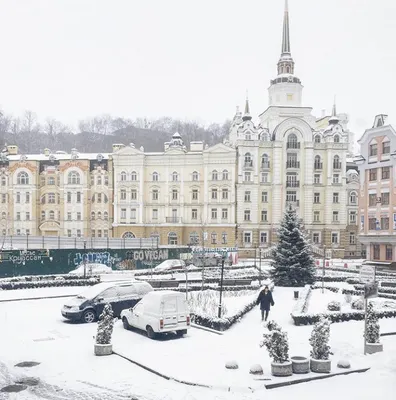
[23, 256]
[100, 257]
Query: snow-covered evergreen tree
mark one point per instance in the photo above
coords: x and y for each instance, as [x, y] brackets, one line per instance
[319, 340]
[277, 344]
[373, 328]
[105, 325]
[292, 260]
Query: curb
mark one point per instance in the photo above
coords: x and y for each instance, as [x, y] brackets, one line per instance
[388, 334]
[38, 298]
[204, 328]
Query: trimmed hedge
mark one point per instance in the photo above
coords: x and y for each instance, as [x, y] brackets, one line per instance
[380, 289]
[310, 319]
[35, 278]
[47, 284]
[361, 292]
[331, 288]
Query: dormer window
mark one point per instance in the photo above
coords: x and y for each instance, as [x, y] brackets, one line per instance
[336, 139]
[248, 136]
[317, 139]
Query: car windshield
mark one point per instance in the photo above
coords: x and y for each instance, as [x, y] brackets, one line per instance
[93, 291]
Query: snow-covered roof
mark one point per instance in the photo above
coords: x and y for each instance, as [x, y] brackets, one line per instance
[57, 156]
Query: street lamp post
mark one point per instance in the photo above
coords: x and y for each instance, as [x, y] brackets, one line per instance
[85, 259]
[221, 286]
[323, 269]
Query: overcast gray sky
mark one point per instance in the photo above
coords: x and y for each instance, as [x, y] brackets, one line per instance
[72, 59]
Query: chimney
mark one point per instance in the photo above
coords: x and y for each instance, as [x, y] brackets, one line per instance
[12, 150]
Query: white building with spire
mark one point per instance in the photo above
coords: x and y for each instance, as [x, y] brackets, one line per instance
[292, 158]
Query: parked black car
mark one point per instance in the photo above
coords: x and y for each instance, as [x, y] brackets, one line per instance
[88, 306]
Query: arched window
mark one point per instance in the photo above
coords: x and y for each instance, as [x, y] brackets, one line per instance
[73, 178]
[172, 238]
[133, 176]
[225, 175]
[264, 161]
[336, 162]
[292, 142]
[92, 215]
[317, 139]
[175, 176]
[3, 215]
[215, 175]
[123, 176]
[128, 235]
[248, 160]
[155, 176]
[195, 176]
[106, 216]
[52, 214]
[336, 139]
[23, 178]
[156, 236]
[318, 163]
[3, 181]
[194, 238]
[105, 199]
[353, 198]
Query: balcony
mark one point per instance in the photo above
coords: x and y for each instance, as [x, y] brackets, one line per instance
[248, 165]
[265, 165]
[173, 220]
[292, 164]
[337, 165]
[293, 203]
[293, 184]
[293, 145]
[318, 165]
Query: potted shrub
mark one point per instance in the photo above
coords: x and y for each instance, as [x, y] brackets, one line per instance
[373, 344]
[320, 352]
[334, 306]
[103, 346]
[277, 345]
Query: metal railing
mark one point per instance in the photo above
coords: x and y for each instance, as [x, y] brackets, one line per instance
[173, 220]
[292, 164]
[293, 145]
[265, 165]
[337, 165]
[293, 184]
[318, 165]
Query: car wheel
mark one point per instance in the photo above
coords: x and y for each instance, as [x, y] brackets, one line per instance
[89, 316]
[125, 323]
[150, 332]
[181, 333]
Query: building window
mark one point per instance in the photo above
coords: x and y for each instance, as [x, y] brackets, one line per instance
[175, 194]
[106, 216]
[352, 217]
[195, 194]
[386, 147]
[195, 176]
[106, 233]
[78, 232]
[264, 216]
[194, 213]
[373, 174]
[247, 176]
[172, 238]
[106, 181]
[248, 160]
[134, 194]
[69, 233]
[18, 216]
[292, 140]
[23, 178]
[155, 176]
[27, 197]
[52, 215]
[316, 198]
[336, 139]
[155, 195]
[93, 233]
[334, 238]
[316, 216]
[215, 175]
[213, 238]
[316, 238]
[247, 237]
[335, 198]
[51, 198]
[69, 216]
[214, 194]
[78, 216]
[264, 177]
[99, 233]
[123, 213]
[42, 215]
[264, 197]
[92, 216]
[263, 237]
[18, 197]
[247, 215]
[73, 178]
[291, 196]
[373, 150]
[3, 181]
[336, 162]
[99, 180]
[175, 176]
[78, 200]
[265, 161]
[224, 213]
[123, 194]
[385, 173]
[372, 199]
[133, 176]
[372, 224]
[385, 223]
[388, 253]
[133, 213]
[225, 175]
[247, 196]
[224, 238]
[317, 139]
[336, 178]
[317, 178]
[335, 216]
[385, 199]
[68, 197]
[352, 238]
[353, 198]
[51, 180]
[3, 198]
[224, 193]
[99, 215]
[123, 176]
[376, 251]
[214, 213]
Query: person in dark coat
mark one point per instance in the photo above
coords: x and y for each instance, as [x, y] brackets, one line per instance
[266, 301]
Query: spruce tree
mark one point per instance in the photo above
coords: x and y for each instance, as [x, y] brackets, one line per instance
[292, 260]
[373, 328]
[105, 325]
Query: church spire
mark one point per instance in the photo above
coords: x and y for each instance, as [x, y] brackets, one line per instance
[334, 119]
[246, 115]
[286, 63]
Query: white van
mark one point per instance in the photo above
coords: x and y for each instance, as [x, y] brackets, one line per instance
[159, 312]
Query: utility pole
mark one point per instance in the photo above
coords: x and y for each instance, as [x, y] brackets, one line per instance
[260, 267]
[221, 286]
[323, 269]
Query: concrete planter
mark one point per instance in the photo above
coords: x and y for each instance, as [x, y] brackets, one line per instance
[300, 365]
[372, 348]
[321, 366]
[103, 349]
[282, 369]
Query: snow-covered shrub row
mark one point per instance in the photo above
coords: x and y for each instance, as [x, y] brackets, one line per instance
[34, 278]
[357, 304]
[302, 302]
[310, 319]
[352, 281]
[361, 292]
[380, 289]
[51, 283]
[388, 283]
[334, 306]
[318, 285]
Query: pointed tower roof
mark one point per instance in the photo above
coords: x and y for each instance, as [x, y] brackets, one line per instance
[286, 30]
[334, 119]
[246, 115]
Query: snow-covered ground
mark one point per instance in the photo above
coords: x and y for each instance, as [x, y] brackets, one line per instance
[35, 330]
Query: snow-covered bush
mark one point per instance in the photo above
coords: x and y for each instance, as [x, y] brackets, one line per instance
[277, 344]
[334, 306]
[373, 328]
[357, 304]
[105, 325]
[273, 326]
[319, 340]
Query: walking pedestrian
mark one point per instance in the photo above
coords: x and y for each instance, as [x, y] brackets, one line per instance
[266, 301]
